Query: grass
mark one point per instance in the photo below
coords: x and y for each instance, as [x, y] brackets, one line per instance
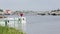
[7, 30]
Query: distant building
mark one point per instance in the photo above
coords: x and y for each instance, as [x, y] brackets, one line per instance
[55, 12]
[7, 12]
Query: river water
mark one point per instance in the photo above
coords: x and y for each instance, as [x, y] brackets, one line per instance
[43, 25]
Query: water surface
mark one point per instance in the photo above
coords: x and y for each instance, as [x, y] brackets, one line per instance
[43, 25]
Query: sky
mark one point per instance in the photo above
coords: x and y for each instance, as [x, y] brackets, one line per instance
[35, 5]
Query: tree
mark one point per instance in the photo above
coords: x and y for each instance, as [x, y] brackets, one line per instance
[1, 10]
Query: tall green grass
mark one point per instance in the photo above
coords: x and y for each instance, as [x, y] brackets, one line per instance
[7, 30]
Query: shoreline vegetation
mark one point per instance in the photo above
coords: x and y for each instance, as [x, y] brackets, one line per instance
[9, 30]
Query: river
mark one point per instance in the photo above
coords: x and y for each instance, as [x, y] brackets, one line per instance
[43, 24]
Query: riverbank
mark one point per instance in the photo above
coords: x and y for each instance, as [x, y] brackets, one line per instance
[9, 30]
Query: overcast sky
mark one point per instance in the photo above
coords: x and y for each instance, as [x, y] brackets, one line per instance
[30, 4]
